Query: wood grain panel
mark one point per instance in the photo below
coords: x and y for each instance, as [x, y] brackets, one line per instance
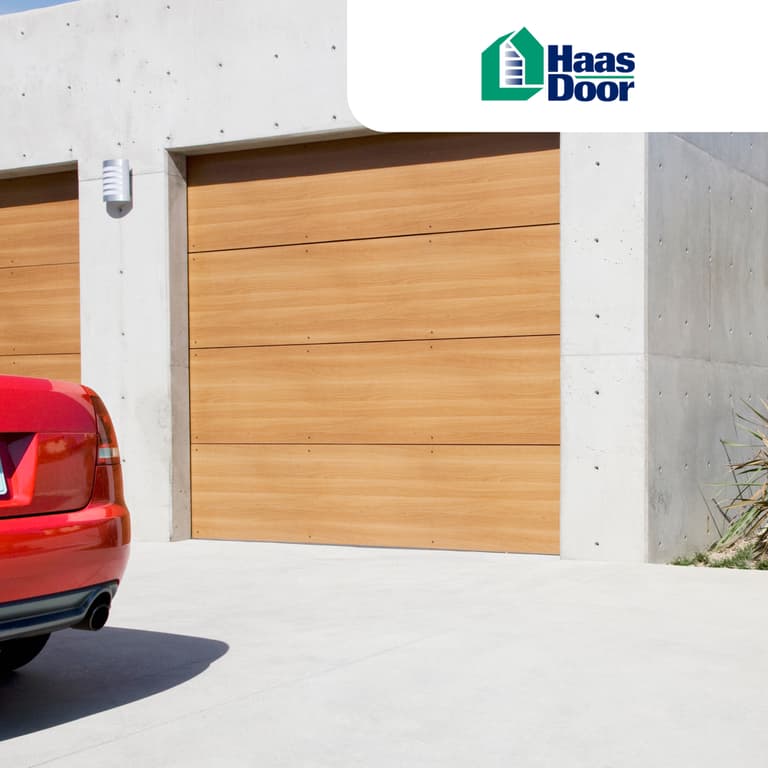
[40, 310]
[39, 220]
[378, 151]
[373, 187]
[498, 498]
[468, 391]
[487, 283]
[65, 367]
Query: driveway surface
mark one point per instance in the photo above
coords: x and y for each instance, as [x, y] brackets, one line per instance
[237, 654]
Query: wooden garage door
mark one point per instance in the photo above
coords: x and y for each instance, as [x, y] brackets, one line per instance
[39, 277]
[374, 342]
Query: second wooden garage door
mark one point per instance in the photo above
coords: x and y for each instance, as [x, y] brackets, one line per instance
[374, 343]
[39, 277]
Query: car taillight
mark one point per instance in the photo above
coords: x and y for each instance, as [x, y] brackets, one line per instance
[108, 452]
[108, 480]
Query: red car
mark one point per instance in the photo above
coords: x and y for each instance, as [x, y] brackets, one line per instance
[64, 527]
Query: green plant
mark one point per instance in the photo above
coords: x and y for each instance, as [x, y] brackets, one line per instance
[742, 558]
[751, 483]
[700, 558]
[744, 543]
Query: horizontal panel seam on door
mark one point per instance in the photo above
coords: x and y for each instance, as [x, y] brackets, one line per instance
[384, 445]
[40, 266]
[378, 341]
[419, 233]
[40, 354]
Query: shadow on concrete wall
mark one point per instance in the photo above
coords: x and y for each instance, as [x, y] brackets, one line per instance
[82, 673]
[119, 210]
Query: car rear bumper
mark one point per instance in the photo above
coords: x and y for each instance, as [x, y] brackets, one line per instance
[40, 615]
[44, 555]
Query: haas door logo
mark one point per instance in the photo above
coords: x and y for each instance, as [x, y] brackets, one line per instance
[517, 66]
[513, 67]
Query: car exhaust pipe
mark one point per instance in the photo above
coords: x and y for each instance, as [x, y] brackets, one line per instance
[97, 613]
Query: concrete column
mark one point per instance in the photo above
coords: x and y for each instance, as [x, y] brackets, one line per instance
[134, 338]
[603, 347]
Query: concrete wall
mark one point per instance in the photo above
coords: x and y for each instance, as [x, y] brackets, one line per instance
[96, 79]
[664, 259]
[146, 79]
[707, 226]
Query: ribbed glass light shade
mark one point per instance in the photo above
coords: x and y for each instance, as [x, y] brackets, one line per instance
[116, 181]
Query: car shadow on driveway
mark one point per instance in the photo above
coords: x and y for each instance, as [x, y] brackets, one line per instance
[82, 673]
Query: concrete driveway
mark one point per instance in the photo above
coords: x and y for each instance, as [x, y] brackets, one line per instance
[235, 654]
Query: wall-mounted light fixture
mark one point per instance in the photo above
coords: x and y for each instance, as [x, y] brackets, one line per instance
[116, 181]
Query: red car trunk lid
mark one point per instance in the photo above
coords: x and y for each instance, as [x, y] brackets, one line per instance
[48, 445]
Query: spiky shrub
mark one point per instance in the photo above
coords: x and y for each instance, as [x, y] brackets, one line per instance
[750, 505]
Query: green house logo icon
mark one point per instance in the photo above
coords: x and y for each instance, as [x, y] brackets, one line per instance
[513, 67]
